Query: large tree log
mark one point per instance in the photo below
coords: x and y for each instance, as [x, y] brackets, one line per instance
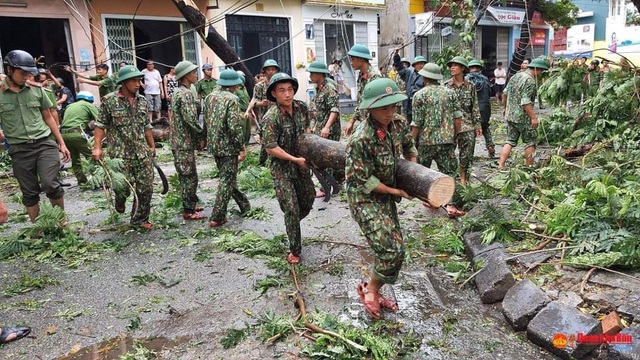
[417, 180]
[214, 40]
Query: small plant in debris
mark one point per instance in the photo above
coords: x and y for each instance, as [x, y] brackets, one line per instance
[145, 279]
[28, 283]
[139, 352]
[265, 284]
[233, 337]
[258, 213]
[69, 314]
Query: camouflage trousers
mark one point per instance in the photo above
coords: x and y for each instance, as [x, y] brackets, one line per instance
[380, 225]
[296, 196]
[466, 145]
[185, 163]
[485, 116]
[228, 188]
[139, 173]
[77, 145]
[443, 154]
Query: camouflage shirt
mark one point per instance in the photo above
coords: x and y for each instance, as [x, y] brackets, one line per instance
[125, 125]
[185, 133]
[372, 160]
[520, 91]
[363, 79]
[282, 129]
[224, 124]
[323, 104]
[259, 94]
[204, 87]
[468, 100]
[434, 109]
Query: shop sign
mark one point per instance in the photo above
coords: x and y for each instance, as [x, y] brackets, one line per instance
[513, 17]
[538, 37]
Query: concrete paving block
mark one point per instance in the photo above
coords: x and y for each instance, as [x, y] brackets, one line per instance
[570, 298]
[626, 351]
[522, 302]
[497, 254]
[558, 318]
[631, 307]
[493, 281]
[473, 244]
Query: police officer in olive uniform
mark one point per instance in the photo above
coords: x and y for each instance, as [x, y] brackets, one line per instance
[291, 176]
[123, 114]
[27, 124]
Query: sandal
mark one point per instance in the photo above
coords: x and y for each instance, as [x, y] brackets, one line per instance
[199, 208]
[371, 306]
[453, 213]
[214, 224]
[388, 304]
[193, 216]
[10, 334]
[427, 205]
[319, 194]
[293, 259]
[146, 226]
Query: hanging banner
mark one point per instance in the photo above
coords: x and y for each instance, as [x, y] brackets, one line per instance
[507, 16]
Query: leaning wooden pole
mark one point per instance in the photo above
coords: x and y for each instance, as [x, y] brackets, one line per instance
[214, 40]
[417, 180]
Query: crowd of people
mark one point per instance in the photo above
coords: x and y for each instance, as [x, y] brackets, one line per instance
[425, 119]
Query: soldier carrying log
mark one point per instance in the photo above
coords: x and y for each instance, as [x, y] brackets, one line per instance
[372, 154]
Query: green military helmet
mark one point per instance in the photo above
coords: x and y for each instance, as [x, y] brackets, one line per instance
[405, 60]
[459, 60]
[128, 72]
[419, 59]
[241, 74]
[183, 68]
[379, 93]
[270, 63]
[318, 67]
[360, 51]
[431, 71]
[229, 78]
[539, 64]
[280, 77]
[477, 63]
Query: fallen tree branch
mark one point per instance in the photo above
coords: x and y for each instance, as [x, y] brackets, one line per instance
[341, 243]
[541, 235]
[542, 245]
[585, 279]
[538, 251]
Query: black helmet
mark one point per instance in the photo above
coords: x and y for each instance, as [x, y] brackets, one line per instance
[61, 81]
[22, 60]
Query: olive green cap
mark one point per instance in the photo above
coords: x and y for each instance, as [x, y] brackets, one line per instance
[431, 71]
[318, 67]
[360, 51]
[477, 63]
[183, 68]
[459, 60]
[539, 63]
[379, 93]
[128, 72]
[405, 60]
[419, 59]
[280, 77]
[270, 63]
[228, 78]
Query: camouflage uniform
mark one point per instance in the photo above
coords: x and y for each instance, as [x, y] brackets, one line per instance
[402, 85]
[126, 126]
[435, 108]
[370, 161]
[323, 104]
[521, 90]
[466, 138]
[293, 185]
[185, 135]
[483, 90]
[259, 94]
[363, 79]
[243, 102]
[224, 140]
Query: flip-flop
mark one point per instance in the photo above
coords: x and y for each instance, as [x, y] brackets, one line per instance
[215, 224]
[319, 194]
[372, 306]
[454, 213]
[146, 226]
[388, 304]
[17, 333]
[427, 205]
[293, 259]
[193, 216]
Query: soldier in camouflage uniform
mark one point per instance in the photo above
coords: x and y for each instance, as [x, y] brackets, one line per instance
[243, 103]
[468, 100]
[291, 177]
[324, 110]
[260, 102]
[521, 119]
[437, 116]
[186, 136]
[123, 114]
[224, 137]
[483, 90]
[360, 56]
[372, 153]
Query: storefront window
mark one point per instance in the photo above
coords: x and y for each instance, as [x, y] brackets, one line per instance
[338, 40]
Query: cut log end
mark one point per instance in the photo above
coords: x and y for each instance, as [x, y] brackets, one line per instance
[441, 191]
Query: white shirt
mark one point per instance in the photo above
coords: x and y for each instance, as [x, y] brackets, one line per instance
[152, 80]
[500, 72]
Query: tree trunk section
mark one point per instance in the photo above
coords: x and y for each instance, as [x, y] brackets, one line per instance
[417, 180]
[214, 40]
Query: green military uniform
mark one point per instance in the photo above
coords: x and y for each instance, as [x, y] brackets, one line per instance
[260, 94]
[521, 90]
[435, 107]
[76, 118]
[204, 87]
[126, 125]
[293, 185]
[371, 159]
[35, 158]
[243, 103]
[185, 135]
[324, 103]
[107, 84]
[594, 77]
[363, 79]
[224, 138]
[466, 138]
